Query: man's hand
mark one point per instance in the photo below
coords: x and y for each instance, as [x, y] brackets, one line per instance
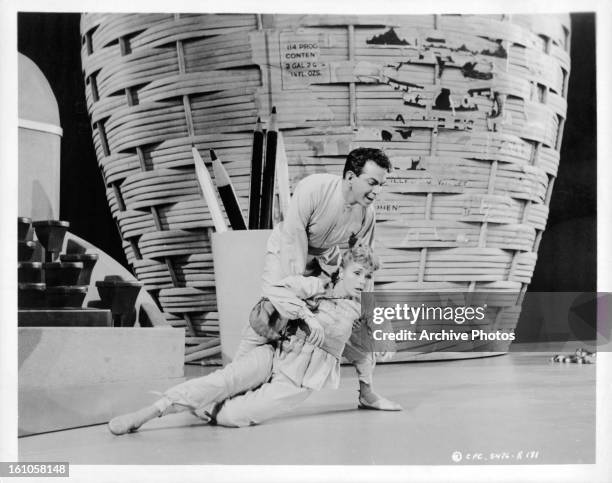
[317, 335]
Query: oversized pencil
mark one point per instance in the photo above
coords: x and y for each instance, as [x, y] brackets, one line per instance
[256, 165]
[227, 193]
[208, 190]
[267, 189]
[282, 177]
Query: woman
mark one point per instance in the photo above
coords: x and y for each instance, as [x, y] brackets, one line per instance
[298, 365]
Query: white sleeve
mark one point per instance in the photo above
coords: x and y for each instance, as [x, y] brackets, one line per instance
[288, 296]
[367, 234]
[293, 231]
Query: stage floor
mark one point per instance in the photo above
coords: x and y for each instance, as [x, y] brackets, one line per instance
[515, 408]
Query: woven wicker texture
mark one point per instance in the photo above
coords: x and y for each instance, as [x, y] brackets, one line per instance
[470, 109]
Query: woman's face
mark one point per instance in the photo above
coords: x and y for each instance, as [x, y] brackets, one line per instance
[354, 277]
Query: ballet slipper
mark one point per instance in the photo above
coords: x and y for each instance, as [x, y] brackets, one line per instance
[130, 422]
[380, 404]
[368, 399]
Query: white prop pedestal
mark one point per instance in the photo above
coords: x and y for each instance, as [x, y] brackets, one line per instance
[79, 376]
[239, 258]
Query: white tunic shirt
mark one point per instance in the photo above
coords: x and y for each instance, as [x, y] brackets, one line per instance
[318, 219]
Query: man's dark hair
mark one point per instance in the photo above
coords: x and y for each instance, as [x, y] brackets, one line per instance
[357, 158]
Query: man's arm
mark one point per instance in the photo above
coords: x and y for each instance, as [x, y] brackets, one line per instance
[286, 288]
[367, 233]
[368, 227]
[293, 246]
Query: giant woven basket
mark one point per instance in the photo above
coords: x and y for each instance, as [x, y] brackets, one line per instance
[470, 110]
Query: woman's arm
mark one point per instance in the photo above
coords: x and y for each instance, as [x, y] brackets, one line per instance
[290, 294]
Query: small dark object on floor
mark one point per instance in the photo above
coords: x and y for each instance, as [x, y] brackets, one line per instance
[581, 356]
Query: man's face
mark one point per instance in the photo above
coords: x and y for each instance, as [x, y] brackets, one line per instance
[366, 187]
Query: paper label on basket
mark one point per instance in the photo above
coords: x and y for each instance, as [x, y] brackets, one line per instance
[300, 60]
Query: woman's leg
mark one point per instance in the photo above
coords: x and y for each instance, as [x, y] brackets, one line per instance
[272, 273]
[127, 423]
[273, 399]
[364, 363]
[241, 375]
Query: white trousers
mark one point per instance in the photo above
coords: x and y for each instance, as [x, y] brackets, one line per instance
[272, 399]
[249, 389]
[257, 397]
[241, 375]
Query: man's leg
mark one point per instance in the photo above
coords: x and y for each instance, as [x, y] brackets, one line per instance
[272, 273]
[273, 399]
[364, 363]
[249, 341]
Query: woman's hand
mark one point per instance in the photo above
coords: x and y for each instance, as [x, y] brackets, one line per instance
[317, 335]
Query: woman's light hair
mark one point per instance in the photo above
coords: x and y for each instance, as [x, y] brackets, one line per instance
[361, 253]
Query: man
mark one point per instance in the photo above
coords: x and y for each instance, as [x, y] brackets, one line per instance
[324, 211]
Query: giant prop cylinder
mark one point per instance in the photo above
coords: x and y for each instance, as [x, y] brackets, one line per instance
[469, 108]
